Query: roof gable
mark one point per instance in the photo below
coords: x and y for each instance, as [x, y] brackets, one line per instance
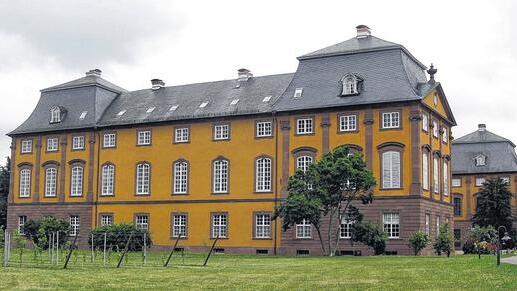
[438, 104]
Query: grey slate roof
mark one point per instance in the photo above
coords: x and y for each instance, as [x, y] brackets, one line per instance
[499, 152]
[88, 80]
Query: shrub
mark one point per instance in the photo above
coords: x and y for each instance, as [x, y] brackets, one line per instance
[469, 247]
[444, 241]
[38, 231]
[418, 241]
[372, 235]
[117, 236]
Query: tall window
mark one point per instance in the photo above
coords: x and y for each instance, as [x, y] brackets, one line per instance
[22, 219]
[25, 183]
[263, 179]
[303, 229]
[345, 230]
[143, 172]
[264, 128]
[26, 146]
[74, 225]
[437, 226]
[220, 177]
[391, 170]
[445, 135]
[303, 163]
[425, 122]
[78, 142]
[109, 140]
[349, 85]
[52, 144]
[457, 206]
[108, 179]
[219, 226]
[263, 225]
[50, 182]
[435, 129]
[436, 177]
[304, 126]
[445, 178]
[180, 177]
[179, 225]
[425, 170]
[392, 224]
[390, 120]
[55, 114]
[221, 131]
[142, 221]
[347, 123]
[427, 224]
[76, 185]
[181, 135]
[144, 137]
[106, 219]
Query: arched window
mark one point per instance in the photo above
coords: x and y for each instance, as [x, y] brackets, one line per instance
[436, 175]
[220, 176]
[55, 114]
[391, 175]
[180, 177]
[143, 173]
[303, 163]
[50, 181]
[445, 178]
[349, 85]
[263, 181]
[108, 179]
[25, 183]
[76, 185]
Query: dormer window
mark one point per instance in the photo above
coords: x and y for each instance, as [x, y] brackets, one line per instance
[55, 114]
[350, 85]
[480, 160]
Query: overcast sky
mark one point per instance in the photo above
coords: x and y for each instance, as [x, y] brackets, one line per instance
[43, 43]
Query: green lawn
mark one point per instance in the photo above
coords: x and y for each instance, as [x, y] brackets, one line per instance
[262, 272]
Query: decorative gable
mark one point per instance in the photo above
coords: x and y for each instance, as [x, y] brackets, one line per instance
[480, 160]
[350, 84]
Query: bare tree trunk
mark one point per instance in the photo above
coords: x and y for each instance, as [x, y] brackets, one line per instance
[321, 241]
[329, 231]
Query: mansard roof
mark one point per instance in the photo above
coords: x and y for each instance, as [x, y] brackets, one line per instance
[499, 152]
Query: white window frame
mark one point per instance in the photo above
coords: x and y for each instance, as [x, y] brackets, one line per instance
[263, 174]
[26, 146]
[108, 180]
[181, 135]
[51, 181]
[345, 228]
[106, 219]
[22, 219]
[221, 132]
[304, 126]
[181, 170]
[298, 92]
[78, 142]
[144, 137]
[109, 140]
[263, 225]
[456, 182]
[219, 225]
[143, 179]
[436, 130]
[391, 120]
[445, 135]
[480, 181]
[52, 144]
[349, 85]
[179, 225]
[25, 183]
[427, 223]
[436, 175]
[445, 178]
[221, 170]
[303, 162]
[391, 222]
[55, 115]
[142, 221]
[437, 226]
[304, 229]
[75, 224]
[425, 122]
[391, 163]
[76, 180]
[264, 128]
[347, 123]
[425, 170]
[480, 160]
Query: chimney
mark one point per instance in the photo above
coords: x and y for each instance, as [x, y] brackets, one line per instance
[481, 127]
[157, 84]
[243, 75]
[363, 31]
[94, 72]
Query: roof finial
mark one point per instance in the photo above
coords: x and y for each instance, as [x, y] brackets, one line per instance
[431, 72]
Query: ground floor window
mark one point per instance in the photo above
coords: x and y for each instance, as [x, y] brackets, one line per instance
[457, 238]
[263, 225]
[22, 219]
[303, 229]
[346, 228]
[179, 225]
[142, 221]
[106, 220]
[391, 223]
[74, 225]
[219, 225]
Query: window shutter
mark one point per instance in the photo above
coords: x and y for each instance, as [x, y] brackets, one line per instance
[395, 176]
[386, 170]
[425, 170]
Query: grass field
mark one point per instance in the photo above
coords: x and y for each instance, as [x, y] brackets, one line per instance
[261, 272]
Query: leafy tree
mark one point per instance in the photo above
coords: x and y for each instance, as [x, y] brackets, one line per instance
[444, 241]
[4, 192]
[478, 238]
[39, 230]
[372, 235]
[494, 208]
[418, 241]
[326, 191]
[117, 236]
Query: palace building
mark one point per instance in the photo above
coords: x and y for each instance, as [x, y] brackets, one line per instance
[213, 159]
[477, 156]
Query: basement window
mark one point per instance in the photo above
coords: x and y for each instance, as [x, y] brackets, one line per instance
[262, 252]
[302, 252]
[173, 107]
[298, 92]
[266, 99]
[150, 109]
[83, 115]
[203, 105]
[234, 102]
[121, 113]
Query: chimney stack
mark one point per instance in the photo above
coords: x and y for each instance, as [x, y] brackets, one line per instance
[243, 75]
[363, 31]
[481, 127]
[94, 72]
[157, 84]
